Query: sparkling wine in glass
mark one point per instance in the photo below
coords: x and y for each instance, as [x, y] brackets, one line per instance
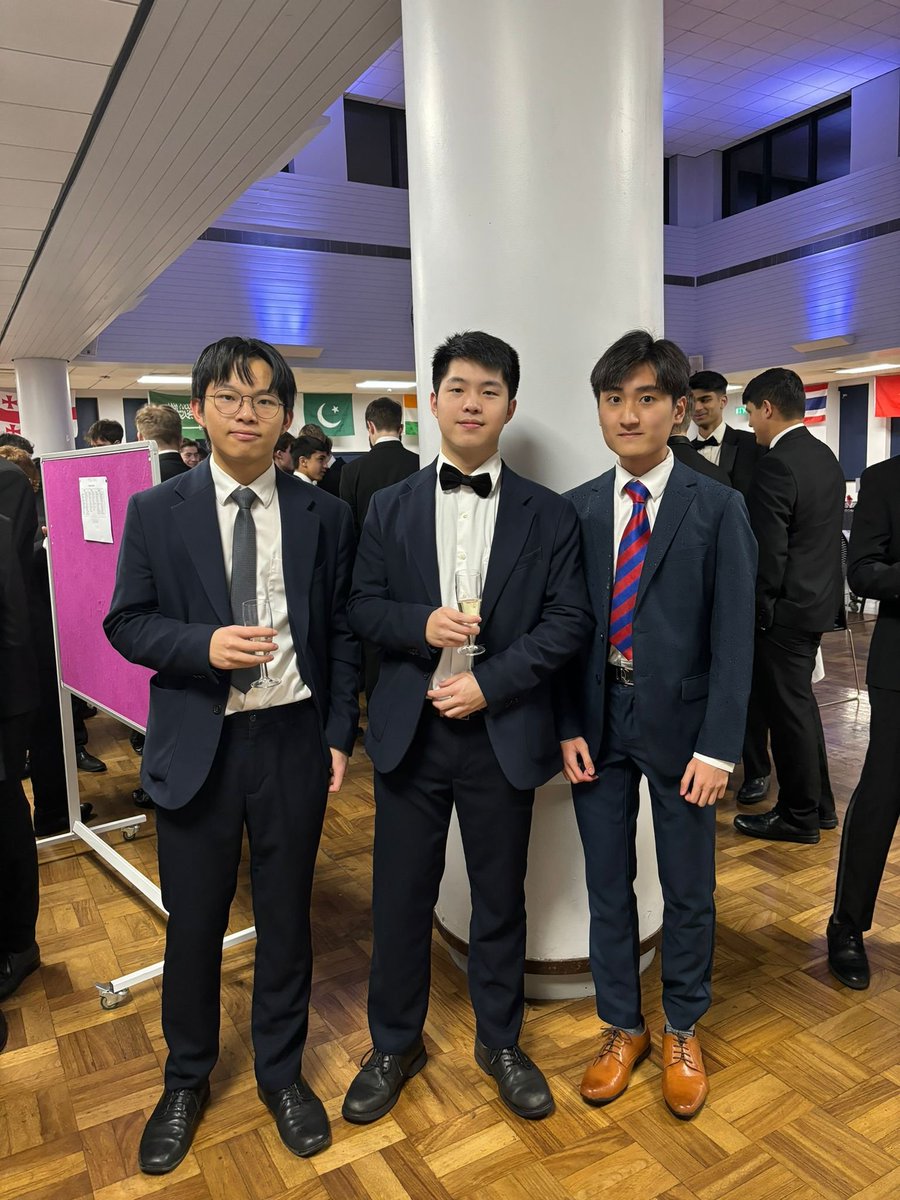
[259, 612]
[468, 597]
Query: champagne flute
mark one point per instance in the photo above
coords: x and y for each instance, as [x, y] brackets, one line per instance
[468, 597]
[259, 612]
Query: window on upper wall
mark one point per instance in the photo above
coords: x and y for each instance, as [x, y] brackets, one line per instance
[788, 159]
[375, 136]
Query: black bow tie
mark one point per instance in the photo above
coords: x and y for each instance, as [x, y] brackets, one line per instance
[712, 441]
[451, 478]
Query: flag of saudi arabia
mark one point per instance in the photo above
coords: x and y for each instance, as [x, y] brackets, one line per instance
[182, 405]
[333, 412]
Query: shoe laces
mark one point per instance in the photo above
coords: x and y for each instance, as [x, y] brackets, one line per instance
[295, 1091]
[511, 1056]
[179, 1103]
[613, 1043]
[376, 1060]
[683, 1053]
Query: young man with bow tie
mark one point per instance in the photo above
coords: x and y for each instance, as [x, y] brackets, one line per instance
[222, 754]
[736, 451]
[444, 733]
[670, 564]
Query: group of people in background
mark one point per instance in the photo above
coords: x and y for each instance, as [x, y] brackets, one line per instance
[619, 632]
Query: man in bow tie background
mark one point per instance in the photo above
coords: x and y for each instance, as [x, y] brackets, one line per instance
[736, 451]
[443, 734]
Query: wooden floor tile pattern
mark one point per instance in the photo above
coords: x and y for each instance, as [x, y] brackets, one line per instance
[805, 1099]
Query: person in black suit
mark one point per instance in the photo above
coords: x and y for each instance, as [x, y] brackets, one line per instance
[670, 561]
[387, 462]
[221, 753]
[446, 729]
[681, 447]
[334, 466]
[734, 450]
[796, 506]
[19, 953]
[160, 423]
[873, 570]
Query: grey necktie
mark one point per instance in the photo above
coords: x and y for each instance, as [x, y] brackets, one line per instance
[243, 573]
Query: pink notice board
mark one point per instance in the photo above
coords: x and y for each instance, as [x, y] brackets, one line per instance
[83, 575]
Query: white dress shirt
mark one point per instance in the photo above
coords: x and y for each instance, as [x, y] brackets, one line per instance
[713, 453]
[305, 478]
[266, 514]
[464, 530]
[654, 481]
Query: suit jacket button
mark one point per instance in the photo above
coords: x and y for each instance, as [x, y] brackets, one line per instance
[217, 708]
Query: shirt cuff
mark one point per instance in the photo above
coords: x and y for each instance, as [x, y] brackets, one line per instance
[715, 762]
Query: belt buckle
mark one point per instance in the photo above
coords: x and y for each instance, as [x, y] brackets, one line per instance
[624, 675]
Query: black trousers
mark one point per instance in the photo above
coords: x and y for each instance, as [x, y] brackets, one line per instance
[755, 755]
[269, 774]
[450, 762]
[872, 815]
[18, 853]
[607, 812]
[48, 767]
[782, 697]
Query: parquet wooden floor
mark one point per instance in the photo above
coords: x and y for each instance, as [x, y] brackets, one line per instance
[805, 1099]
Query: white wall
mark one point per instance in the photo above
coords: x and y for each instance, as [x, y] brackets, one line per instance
[875, 122]
[325, 156]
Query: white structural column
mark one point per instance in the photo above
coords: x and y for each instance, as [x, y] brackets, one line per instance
[535, 182]
[45, 403]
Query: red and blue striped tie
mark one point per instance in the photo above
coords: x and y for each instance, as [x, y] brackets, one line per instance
[630, 562]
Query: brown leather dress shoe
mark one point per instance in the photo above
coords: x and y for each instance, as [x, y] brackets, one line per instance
[610, 1073]
[685, 1084]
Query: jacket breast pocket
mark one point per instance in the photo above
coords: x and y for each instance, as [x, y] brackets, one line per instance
[695, 687]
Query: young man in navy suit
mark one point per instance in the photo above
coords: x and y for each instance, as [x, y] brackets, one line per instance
[222, 754]
[445, 730]
[670, 564]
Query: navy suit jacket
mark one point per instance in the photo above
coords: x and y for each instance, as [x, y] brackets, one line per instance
[171, 595]
[535, 615]
[693, 622]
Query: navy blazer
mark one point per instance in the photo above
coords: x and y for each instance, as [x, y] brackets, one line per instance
[535, 615]
[171, 595]
[693, 622]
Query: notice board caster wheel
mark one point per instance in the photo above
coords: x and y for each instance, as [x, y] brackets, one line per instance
[110, 998]
[130, 833]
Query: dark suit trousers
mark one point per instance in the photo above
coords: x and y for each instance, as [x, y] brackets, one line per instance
[450, 762]
[607, 812]
[872, 815]
[18, 853]
[783, 664]
[269, 774]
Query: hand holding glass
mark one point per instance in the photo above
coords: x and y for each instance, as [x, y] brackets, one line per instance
[259, 613]
[468, 597]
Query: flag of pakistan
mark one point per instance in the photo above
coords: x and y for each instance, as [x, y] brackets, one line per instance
[333, 412]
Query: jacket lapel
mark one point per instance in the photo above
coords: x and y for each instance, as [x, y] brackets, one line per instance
[602, 551]
[514, 521]
[299, 540]
[728, 451]
[198, 523]
[677, 499]
[417, 507]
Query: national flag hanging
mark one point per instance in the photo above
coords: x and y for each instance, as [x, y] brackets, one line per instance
[9, 413]
[411, 416]
[816, 398]
[182, 405]
[333, 412]
[887, 395]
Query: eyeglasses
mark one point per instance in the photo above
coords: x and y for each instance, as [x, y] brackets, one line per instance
[229, 404]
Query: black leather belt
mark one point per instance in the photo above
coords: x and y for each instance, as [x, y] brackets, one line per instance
[620, 674]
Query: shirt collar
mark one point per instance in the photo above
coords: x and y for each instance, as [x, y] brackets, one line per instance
[386, 437]
[263, 485]
[654, 480]
[790, 429]
[305, 478]
[493, 466]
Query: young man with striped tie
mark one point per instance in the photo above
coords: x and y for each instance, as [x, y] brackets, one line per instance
[670, 562]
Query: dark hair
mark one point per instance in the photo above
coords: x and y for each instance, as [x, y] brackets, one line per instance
[189, 443]
[233, 354]
[631, 351]
[305, 446]
[108, 431]
[311, 429]
[17, 442]
[708, 381]
[476, 347]
[782, 388]
[385, 414]
[285, 442]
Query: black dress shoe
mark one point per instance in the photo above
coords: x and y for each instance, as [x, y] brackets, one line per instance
[44, 827]
[168, 1134]
[752, 791]
[847, 959]
[301, 1118]
[137, 741]
[14, 967]
[89, 710]
[87, 762]
[522, 1086]
[4, 1032]
[828, 818]
[378, 1084]
[773, 826]
[141, 799]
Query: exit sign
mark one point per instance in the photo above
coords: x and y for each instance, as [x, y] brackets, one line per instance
[741, 410]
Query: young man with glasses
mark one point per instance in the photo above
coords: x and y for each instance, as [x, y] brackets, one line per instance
[221, 753]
